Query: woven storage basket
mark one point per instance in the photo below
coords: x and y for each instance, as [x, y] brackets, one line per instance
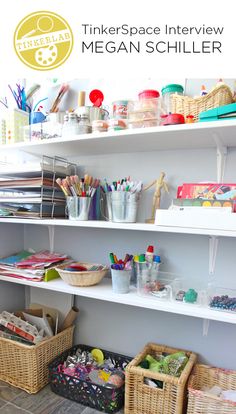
[143, 399]
[82, 278]
[219, 96]
[26, 367]
[201, 402]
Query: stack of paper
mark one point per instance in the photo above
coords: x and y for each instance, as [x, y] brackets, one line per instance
[25, 265]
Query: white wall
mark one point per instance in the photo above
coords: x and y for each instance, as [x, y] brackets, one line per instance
[12, 297]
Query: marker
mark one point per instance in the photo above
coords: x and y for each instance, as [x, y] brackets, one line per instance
[127, 258]
[142, 258]
[128, 266]
[115, 266]
[115, 258]
[112, 258]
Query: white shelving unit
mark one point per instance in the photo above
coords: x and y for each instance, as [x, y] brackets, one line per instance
[219, 135]
[187, 136]
[103, 292]
[121, 226]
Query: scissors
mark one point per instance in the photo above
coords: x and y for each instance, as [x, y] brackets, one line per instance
[44, 24]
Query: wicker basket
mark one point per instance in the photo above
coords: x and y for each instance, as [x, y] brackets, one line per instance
[82, 278]
[141, 398]
[26, 367]
[201, 402]
[219, 96]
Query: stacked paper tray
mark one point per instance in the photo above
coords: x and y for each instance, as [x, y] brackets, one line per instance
[30, 190]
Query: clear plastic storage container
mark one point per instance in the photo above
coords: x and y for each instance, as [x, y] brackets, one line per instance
[222, 298]
[153, 283]
[145, 112]
[191, 293]
[99, 126]
[167, 92]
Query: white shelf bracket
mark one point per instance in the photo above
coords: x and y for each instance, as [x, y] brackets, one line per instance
[205, 327]
[213, 245]
[221, 154]
[51, 235]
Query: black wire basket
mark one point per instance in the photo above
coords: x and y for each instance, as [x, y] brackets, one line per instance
[84, 392]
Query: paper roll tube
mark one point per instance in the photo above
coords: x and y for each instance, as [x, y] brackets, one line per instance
[81, 98]
[70, 317]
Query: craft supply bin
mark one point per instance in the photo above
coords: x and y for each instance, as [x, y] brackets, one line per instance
[26, 367]
[107, 400]
[201, 402]
[141, 398]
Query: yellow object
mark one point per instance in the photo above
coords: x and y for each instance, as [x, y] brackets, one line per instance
[52, 40]
[104, 375]
[217, 204]
[98, 355]
[206, 204]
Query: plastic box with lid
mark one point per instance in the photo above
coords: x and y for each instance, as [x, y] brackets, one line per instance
[167, 92]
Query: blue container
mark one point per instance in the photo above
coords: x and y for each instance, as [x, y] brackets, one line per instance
[37, 117]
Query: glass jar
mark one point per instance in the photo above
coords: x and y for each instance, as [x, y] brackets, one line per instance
[71, 124]
[120, 109]
[116, 125]
[99, 126]
[167, 92]
[84, 125]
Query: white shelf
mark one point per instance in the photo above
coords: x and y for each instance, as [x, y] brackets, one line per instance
[186, 136]
[121, 226]
[103, 291]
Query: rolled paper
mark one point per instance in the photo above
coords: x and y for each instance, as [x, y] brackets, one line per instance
[70, 318]
[81, 98]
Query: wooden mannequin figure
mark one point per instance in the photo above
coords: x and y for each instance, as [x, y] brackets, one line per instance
[159, 183]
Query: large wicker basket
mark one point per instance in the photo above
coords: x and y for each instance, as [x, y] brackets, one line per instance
[26, 367]
[201, 402]
[185, 105]
[141, 398]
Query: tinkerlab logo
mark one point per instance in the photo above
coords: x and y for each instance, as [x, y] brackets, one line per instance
[43, 40]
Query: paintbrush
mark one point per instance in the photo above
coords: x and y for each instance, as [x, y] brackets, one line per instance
[64, 88]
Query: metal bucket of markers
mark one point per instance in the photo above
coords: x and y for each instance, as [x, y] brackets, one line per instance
[78, 208]
[122, 206]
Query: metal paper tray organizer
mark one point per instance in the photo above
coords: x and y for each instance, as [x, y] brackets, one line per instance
[34, 193]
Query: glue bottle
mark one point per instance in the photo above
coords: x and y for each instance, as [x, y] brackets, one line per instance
[149, 254]
[155, 268]
[203, 90]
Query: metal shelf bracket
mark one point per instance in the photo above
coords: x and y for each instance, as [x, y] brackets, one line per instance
[51, 235]
[205, 327]
[221, 154]
[213, 246]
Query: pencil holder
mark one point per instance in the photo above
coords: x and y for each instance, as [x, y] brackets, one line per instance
[122, 206]
[120, 280]
[78, 208]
